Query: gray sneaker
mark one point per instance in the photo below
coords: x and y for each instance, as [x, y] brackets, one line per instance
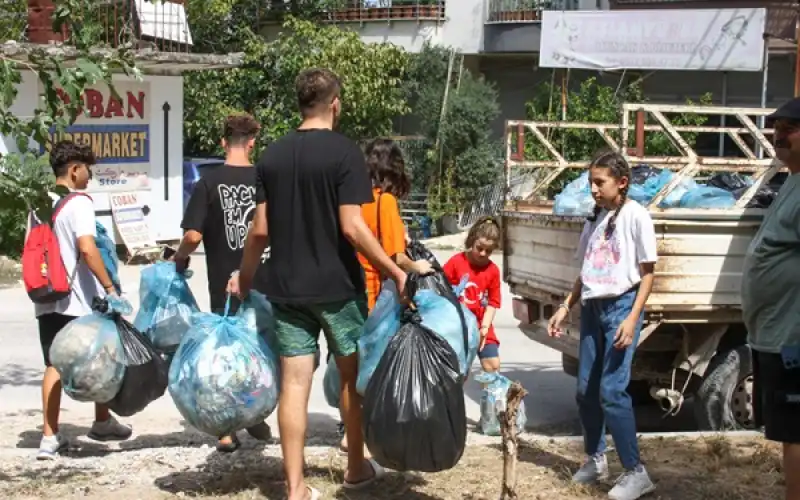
[594, 469]
[632, 484]
[110, 430]
[51, 446]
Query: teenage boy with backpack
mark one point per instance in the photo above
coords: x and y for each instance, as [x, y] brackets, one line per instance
[73, 226]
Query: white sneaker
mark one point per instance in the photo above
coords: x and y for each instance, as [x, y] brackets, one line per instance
[632, 484]
[51, 446]
[594, 469]
[110, 430]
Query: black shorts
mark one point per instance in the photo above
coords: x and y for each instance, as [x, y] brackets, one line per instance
[776, 398]
[49, 326]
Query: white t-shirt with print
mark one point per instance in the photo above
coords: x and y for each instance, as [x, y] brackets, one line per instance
[75, 219]
[610, 266]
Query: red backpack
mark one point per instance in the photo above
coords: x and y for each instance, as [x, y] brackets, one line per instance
[43, 270]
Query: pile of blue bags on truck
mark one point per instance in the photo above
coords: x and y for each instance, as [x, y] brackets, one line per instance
[719, 192]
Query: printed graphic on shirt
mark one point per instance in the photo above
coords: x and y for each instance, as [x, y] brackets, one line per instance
[237, 204]
[472, 294]
[602, 256]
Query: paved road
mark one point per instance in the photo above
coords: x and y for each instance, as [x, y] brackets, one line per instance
[551, 405]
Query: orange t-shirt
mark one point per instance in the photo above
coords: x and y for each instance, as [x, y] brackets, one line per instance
[392, 237]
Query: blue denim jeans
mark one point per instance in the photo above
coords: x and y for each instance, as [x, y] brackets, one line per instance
[603, 375]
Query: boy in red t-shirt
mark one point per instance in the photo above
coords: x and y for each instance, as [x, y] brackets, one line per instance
[482, 293]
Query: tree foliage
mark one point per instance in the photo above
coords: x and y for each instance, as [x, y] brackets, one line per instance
[467, 158]
[372, 76]
[23, 177]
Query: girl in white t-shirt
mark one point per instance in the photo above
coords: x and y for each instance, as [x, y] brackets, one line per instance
[617, 254]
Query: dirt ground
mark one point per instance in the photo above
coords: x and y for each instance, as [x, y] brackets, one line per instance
[683, 468]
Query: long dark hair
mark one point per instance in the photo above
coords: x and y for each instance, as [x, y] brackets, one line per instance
[387, 168]
[619, 168]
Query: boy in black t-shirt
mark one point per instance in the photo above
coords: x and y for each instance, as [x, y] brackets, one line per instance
[219, 214]
[310, 186]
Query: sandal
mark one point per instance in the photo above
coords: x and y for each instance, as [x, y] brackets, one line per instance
[229, 447]
[315, 495]
[377, 473]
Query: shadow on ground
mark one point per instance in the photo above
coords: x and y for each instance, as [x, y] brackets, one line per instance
[547, 397]
[18, 375]
[324, 433]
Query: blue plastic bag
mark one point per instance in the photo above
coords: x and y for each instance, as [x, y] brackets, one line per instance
[332, 384]
[493, 401]
[166, 305]
[256, 311]
[223, 378]
[438, 314]
[708, 197]
[108, 251]
[644, 193]
[89, 356]
[575, 198]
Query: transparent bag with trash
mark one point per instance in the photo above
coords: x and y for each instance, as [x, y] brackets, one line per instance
[576, 198]
[494, 398]
[166, 305]
[223, 377]
[89, 356]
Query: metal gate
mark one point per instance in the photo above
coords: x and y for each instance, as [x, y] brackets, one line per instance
[687, 162]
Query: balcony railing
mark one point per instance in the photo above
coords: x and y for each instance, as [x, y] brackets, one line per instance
[384, 10]
[524, 11]
[159, 26]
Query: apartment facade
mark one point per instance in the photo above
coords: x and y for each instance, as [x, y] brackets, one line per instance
[501, 39]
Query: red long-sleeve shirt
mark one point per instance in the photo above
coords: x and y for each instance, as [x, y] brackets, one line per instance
[482, 291]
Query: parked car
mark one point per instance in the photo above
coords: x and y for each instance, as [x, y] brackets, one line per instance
[192, 171]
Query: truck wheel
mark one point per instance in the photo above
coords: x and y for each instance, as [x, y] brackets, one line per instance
[724, 400]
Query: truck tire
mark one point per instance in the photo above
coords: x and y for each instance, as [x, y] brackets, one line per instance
[724, 400]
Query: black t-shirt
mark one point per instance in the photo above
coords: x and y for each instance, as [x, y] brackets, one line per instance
[304, 177]
[221, 207]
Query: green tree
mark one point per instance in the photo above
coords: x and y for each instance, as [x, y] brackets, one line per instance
[23, 177]
[372, 76]
[467, 158]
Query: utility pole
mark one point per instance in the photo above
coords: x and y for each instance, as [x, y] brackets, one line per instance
[797, 51]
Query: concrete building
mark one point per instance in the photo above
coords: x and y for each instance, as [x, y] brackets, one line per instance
[501, 40]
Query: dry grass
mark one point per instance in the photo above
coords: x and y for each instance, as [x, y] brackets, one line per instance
[684, 469]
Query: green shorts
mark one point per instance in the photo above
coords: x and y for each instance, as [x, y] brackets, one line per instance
[298, 327]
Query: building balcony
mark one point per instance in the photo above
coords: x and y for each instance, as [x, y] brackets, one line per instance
[514, 26]
[160, 26]
[355, 11]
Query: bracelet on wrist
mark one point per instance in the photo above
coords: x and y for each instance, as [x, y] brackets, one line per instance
[564, 306]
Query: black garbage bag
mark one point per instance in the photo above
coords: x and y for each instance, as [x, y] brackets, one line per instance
[729, 181]
[414, 413]
[146, 372]
[640, 173]
[437, 281]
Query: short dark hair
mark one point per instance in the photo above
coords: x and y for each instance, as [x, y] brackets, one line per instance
[65, 153]
[240, 128]
[387, 168]
[316, 87]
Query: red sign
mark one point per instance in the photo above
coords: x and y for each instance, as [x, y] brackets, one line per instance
[96, 105]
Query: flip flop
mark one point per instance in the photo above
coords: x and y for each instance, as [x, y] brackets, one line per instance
[229, 447]
[315, 495]
[378, 472]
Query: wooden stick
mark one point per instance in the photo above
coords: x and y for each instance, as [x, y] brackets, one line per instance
[508, 426]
